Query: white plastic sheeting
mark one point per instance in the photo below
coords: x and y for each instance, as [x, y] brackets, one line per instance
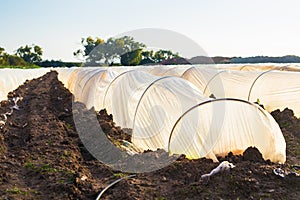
[123, 94]
[94, 86]
[172, 113]
[11, 79]
[76, 79]
[269, 67]
[258, 67]
[277, 90]
[201, 78]
[160, 105]
[64, 74]
[151, 105]
[222, 83]
[274, 89]
[213, 128]
[169, 70]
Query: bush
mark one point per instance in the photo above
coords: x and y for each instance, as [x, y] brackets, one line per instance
[16, 61]
[132, 58]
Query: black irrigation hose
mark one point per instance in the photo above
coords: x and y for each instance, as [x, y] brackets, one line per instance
[112, 184]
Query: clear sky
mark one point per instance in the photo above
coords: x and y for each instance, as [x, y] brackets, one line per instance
[220, 27]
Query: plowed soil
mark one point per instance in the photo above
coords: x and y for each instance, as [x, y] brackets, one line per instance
[42, 157]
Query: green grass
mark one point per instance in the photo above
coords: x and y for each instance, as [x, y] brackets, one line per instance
[66, 154]
[43, 168]
[69, 126]
[16, 190]
[20, 67]
[120, 175]
[46, 168]
[29, 165]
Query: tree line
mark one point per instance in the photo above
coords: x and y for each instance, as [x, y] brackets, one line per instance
[94, 52]
[25, 56]
[123, 51]
[267, 59]
[120, 51]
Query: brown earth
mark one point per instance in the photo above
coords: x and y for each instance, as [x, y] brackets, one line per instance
[42, 157]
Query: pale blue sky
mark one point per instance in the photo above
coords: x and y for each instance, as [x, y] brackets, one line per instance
[221, 27]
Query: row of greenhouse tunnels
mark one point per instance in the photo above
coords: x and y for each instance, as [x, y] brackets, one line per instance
[193, 110]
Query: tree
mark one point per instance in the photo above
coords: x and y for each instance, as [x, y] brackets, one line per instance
[97, 51]
[14, 60]
[158, 56]
[88, 44]
[2, 56]
[132, 58]
[147, 58]
[162, 55]
[1, 51]
[30, 54]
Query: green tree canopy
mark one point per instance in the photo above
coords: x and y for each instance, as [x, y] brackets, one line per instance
[88, 44]
[162, 55]
[124, 49]
[2, 56]
[1, 51]
[10, 60]
[30, 54]
[158, 56]
[132, 58]
[14, 60]
[97, 51]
